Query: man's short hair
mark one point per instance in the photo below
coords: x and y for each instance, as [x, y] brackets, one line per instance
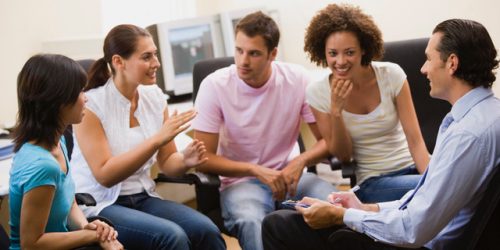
[258, 23]
[471, 43]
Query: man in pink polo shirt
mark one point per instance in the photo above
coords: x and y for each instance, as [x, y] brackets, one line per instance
[249, 117]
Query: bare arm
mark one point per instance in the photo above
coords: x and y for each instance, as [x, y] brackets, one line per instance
[293, 171]
[223, 166]
[335, 134]
[219, 164]
[338, 140]
[411, 128]
[35, 211]
[176, 163]
[110, 170]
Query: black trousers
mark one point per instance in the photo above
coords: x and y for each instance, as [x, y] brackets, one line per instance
[286, 230]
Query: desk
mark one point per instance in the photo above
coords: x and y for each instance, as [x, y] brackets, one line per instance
[4, 176]
[5, 164]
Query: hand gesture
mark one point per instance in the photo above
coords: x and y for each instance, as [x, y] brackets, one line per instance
[340, 90]
[175, 124]
[345, 199]
[291, 174]
[194, 154]
[321, 214]
[274, 179]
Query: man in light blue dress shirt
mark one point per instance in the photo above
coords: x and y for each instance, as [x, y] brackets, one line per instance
[460, 61]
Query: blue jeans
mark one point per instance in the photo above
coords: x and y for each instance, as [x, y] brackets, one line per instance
[145, 222]
[388, 187]
[244, 205]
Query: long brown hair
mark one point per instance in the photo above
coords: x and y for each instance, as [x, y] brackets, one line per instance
[122, 41]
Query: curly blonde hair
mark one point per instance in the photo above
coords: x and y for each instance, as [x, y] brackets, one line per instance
[344, 17]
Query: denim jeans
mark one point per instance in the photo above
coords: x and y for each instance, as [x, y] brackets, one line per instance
[388, 187]
[145, 222]
[244, 205]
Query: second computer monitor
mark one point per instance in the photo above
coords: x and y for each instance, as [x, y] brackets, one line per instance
[181, 44]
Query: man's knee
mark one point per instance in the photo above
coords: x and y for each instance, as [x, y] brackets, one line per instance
[276, 221]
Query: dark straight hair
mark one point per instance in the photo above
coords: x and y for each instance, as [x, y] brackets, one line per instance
[472, 44]
[122, 41]
[46, 84]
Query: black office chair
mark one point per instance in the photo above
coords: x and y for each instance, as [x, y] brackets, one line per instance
[480, 233]
[410, 55]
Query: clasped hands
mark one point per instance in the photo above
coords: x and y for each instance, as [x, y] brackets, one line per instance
[105, 234]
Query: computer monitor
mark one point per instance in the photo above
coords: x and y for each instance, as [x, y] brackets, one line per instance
[181, 44]
[230, 19]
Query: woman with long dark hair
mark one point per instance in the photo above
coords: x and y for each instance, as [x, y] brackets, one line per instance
[43, 211]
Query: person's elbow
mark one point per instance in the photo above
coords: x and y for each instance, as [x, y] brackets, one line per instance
[105, 181]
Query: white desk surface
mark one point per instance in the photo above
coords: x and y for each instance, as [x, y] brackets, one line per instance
[4, 176]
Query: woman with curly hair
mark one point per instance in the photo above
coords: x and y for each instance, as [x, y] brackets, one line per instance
[364, 108]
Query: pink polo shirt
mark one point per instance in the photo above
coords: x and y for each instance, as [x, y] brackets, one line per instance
[259, 125]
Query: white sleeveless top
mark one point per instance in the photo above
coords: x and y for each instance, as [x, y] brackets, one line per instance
[113, 111]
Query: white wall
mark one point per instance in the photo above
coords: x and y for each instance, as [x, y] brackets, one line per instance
[75, 28]
[397, 19]
[24, 24]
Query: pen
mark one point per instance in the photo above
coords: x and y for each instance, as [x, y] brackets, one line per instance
[353, 189]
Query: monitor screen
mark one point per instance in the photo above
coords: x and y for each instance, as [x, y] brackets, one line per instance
[181, 44]
[190, 45]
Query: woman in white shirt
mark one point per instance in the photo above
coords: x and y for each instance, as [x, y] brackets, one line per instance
[364, 108]
[125, 131]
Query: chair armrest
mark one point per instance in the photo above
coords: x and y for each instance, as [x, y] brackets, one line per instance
[348, 169]
[197, 178]
[85, 199]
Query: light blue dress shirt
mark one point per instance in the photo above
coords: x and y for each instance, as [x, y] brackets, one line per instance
[467, 150]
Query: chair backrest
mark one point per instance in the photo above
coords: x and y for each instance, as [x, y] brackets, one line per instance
[208, 197]
[410, 55]
[204, 68]
[483, 230]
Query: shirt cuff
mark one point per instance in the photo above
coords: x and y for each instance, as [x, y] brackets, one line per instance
[388, 205]
[353, 218]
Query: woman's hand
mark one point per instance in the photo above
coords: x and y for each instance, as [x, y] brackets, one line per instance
[111, 245]
[174, 125]
[340, 90]
[104, 232]
[194, 154]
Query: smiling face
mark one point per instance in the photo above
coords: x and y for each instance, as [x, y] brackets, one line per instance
[142, 65]
[253, 59]
[343, 54]
[435, 69]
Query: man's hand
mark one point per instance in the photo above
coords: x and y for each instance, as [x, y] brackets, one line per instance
[274, 179]
[345, 199]
[350, 200]
[321, 214]
[292, 173]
